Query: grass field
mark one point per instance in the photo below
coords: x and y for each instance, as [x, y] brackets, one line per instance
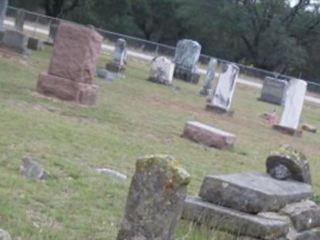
[133, 117]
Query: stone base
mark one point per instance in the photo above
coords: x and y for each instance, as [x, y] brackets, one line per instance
[151, 79]
[218, 110]
[235, 222]
[208, 135]
[186, 75]
[35, 44]
[67, 90]
[16, 41]
[112, 67]
[289, 131]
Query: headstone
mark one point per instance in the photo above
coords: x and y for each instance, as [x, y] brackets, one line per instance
[119, 57]
[4, 235]
[186, 60]
[162, 70]
[73, 65]
[19, 21]
[293, 106]
[274, 90]
[53, 29]
[35, 44]
[208, 135]
[210, 76]
[288, 163]
[3, 11]
[309, 128]
[156, 197]
[222, 98]
[17, 41]
[31, 169]
[253, 192]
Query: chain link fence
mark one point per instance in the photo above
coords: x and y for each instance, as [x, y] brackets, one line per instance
[43, 27]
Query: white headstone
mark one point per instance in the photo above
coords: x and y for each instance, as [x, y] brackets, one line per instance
[294, 104]
[162, 70]
[226, 86]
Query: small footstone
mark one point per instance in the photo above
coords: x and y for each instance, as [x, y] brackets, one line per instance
[155, 202]
[309, 128]
[208, 135]
[31, 169]
[294, 165]
[304, 215]
[4, 235]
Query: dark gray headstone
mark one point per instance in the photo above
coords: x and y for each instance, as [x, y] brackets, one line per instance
[35, 44]
[210, 76]
[3, 11]
[253, 192]
[274, 90]
[20, 18]
[17, 41]
[156, 197]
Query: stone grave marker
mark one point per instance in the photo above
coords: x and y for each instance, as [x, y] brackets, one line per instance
[119, 57]
[3, 11]
[223, 95]
[186, 60]
[19, 21]
[162, 70]
[155, 201]
[274, 90]
[293, 106]
[210, 76]
[73, 64]
[17, 41]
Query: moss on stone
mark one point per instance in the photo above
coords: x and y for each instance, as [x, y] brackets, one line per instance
[291, 153]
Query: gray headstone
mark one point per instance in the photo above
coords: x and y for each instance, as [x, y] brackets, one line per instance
[210, 76]
[293, 104]
[162, 70]
[3, 11]
[226, 86]
[156, 196]
[4, 235]
[17, 41]
[186, 60]
[20, 18]
[119, 57]
[274, 90]
[288, 163]
[253, 192]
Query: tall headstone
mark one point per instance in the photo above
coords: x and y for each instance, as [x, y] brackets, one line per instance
[210, 76]
[222, 98]
[20, 18]
[119, 57]
[274, 90]
[155, 202]
[162, 70]
[73, 65]
[186, 60]
[3, 11]
[293, 106]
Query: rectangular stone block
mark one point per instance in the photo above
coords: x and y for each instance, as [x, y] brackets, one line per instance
[16, 40]
[274, 90]
[253, 192]
[67, 90]
[235, 222]
[75, 54]
[208, 135]
[35, 44]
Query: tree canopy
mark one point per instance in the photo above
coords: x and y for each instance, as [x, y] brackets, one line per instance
[270, 34]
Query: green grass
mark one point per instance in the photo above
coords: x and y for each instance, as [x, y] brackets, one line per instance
[133, 117]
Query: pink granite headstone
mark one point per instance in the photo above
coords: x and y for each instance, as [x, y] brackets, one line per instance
[73, 64]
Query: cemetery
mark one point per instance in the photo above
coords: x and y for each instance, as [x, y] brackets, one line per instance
[92, 148]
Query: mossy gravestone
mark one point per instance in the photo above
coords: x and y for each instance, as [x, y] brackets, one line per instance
[156, 196]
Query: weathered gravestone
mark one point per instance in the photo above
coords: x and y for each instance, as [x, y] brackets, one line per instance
[258, 206]
[3, 11]
[162, 70]
[156, 196]
[119, 57]
[222, 98]
[274, 90]
[208, 135]
[19, 21]
[293, 107]
[186, 60]
[35, 44]
[53, 29]
[210, 76]
[4, 235]
[16, 41]
[73, 65]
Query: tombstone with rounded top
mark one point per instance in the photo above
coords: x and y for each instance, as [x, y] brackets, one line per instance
[162, 70]
[119, 57]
